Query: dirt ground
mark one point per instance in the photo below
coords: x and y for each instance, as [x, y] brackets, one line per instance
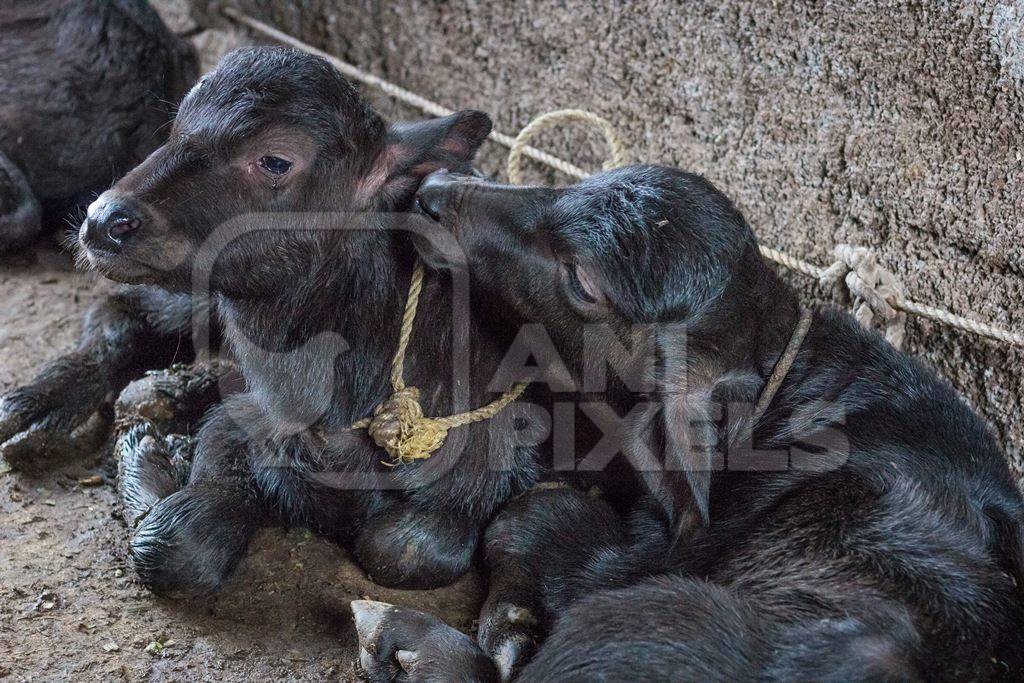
[70, 608]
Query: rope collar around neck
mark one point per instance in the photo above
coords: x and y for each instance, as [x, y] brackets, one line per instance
[783, 364]
[398, 424]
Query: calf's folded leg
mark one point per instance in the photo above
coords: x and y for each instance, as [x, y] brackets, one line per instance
[415, 547]
[189, 542]
[133, 330]
[545, 550]
[154, 418]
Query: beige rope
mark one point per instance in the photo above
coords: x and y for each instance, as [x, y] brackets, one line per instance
[398, 424]
[862, 290]
[555, 118]
[851, 262]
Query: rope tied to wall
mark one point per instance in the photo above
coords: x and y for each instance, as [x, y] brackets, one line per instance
[874, 290]
[875, 293]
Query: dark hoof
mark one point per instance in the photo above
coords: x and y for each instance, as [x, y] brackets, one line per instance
[404, 644]
[29, 444]
[60, 416]
[510, 635]
[149, 468]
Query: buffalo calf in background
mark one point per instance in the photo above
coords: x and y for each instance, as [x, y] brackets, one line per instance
[85, 88]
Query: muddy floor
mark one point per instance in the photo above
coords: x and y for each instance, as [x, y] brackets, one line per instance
[70, 608]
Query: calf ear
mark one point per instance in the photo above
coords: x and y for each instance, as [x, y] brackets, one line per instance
[675, 468]
[414, 150]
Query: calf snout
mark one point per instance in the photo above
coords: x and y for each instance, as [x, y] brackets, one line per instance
[435, 193]
[112, 221]
[439, 191]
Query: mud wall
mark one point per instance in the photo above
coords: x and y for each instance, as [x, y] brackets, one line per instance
[895, 125]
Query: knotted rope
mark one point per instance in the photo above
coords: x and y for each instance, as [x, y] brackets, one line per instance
[864, 288]
[398, 424]
[891, 294]
[873, 289]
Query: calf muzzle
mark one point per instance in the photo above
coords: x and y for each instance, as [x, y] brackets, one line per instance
[111, 224]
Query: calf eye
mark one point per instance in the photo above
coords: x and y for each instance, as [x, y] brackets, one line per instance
[580, 285]
[275, 165]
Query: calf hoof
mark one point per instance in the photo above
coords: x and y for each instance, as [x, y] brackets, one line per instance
[404, 644]
[510, 635]
[413, 549]
[63, 413]
[149, 468]
[189, 543]
[48, 444]
[59, 417]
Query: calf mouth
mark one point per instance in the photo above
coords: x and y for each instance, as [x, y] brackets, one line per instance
[439, 197]
[434, 231]
[121, 238]
[117, 267]
[434, 197]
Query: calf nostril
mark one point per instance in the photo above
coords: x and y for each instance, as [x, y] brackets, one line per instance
[429, 207]
[122, 226]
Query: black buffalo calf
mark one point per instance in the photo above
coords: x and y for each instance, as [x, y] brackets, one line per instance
[270, 210]
[865, 526]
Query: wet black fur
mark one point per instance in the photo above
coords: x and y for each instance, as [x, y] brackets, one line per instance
[902, 561]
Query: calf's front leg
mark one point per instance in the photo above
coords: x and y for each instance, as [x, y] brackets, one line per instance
[188, 539]
[134, 330]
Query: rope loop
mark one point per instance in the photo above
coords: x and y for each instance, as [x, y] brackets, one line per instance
[875, 292]
[555, 118]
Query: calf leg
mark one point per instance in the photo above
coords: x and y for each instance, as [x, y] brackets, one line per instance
[152, 466]
[189, 541]
[134, 330]
[416, 547]
[548, 548]
[545, 550]
[19, 208]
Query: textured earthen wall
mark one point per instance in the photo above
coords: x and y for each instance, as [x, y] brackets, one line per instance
[896, 125]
